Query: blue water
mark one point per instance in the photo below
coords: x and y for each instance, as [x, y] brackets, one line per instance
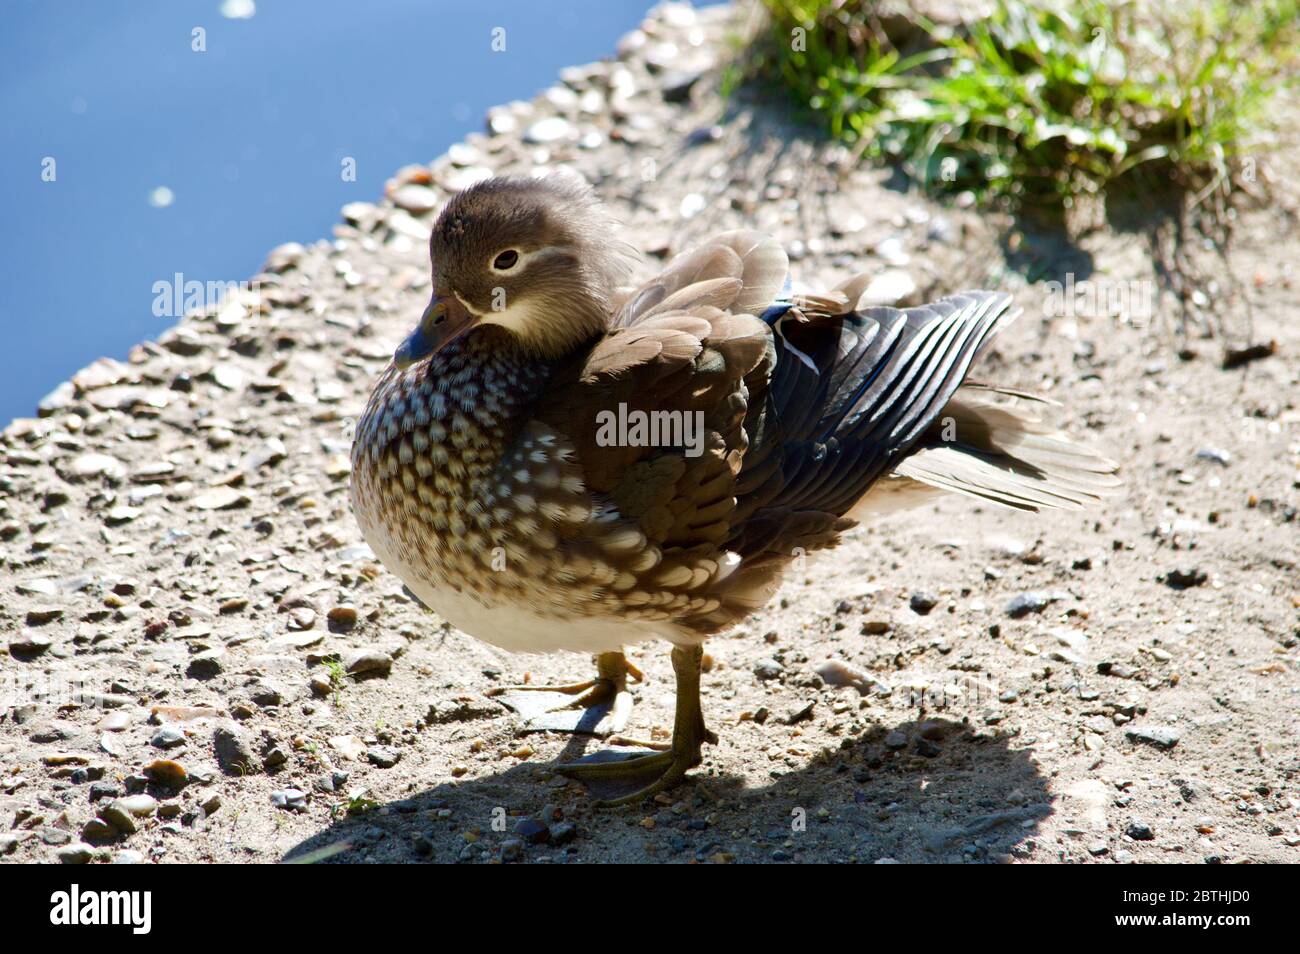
[248, 137]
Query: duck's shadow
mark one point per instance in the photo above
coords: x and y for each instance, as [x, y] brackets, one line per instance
[938, 791]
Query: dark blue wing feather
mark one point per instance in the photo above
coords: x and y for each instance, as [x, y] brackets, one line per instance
[851, 394]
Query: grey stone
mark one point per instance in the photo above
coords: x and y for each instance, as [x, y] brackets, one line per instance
[369, 662]
[1184, 577]
[1026, 603]
[232, 750]
[290, 799]
[207, 664]
[1140, 831]
[837, 672]
[768, 669]
[922, 602]
[532, 831]
[563, 833]
[77, 853]
[28, 645]
[98, 831]
[167, 737]
[266, 693]
[1161, 736]
[383, 756]
[548, 130]
[119, 816]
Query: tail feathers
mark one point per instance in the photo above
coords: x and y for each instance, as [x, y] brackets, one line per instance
[1004, 455]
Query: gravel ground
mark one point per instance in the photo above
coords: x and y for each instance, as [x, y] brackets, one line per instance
[202, 662]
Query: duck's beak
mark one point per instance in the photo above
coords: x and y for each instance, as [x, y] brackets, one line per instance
[445, 320]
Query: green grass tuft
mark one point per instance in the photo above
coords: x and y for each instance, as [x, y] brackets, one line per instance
[1041, 103]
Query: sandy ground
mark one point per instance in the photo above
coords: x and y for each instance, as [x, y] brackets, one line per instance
[202, 662]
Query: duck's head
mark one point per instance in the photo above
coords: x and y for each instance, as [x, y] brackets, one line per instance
[534, 257]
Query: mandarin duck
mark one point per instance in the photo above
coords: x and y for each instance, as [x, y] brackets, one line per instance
[554, 462]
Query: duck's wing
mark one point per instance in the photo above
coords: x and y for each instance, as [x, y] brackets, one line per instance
[803, 402]
[686, 350]
[654, 423]
[851, 395]
[1005, 454]
[848, 391]
[655, 418]
[753, 260]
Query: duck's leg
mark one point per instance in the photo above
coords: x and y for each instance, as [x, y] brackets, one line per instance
[612, 672]
[597, 701]
[665, 769]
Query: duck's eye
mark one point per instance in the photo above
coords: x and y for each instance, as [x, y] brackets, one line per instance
[506, 260]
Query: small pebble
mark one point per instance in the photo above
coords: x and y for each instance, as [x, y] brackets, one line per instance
[1161, 736]
[119, 817]
[167, 737]
[532, 831]
[1181, 578]
[922, 602]
[167, 773]
[1140, 831]
[343, 617]
[837, 672]
[207, 664]
[369, 662]
[290, 799]
[77, 853]
[383, 756]
[232, 750]
[768, 669]
[29, 645]
[97, 831]
[563, 833]
[1026, 603]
